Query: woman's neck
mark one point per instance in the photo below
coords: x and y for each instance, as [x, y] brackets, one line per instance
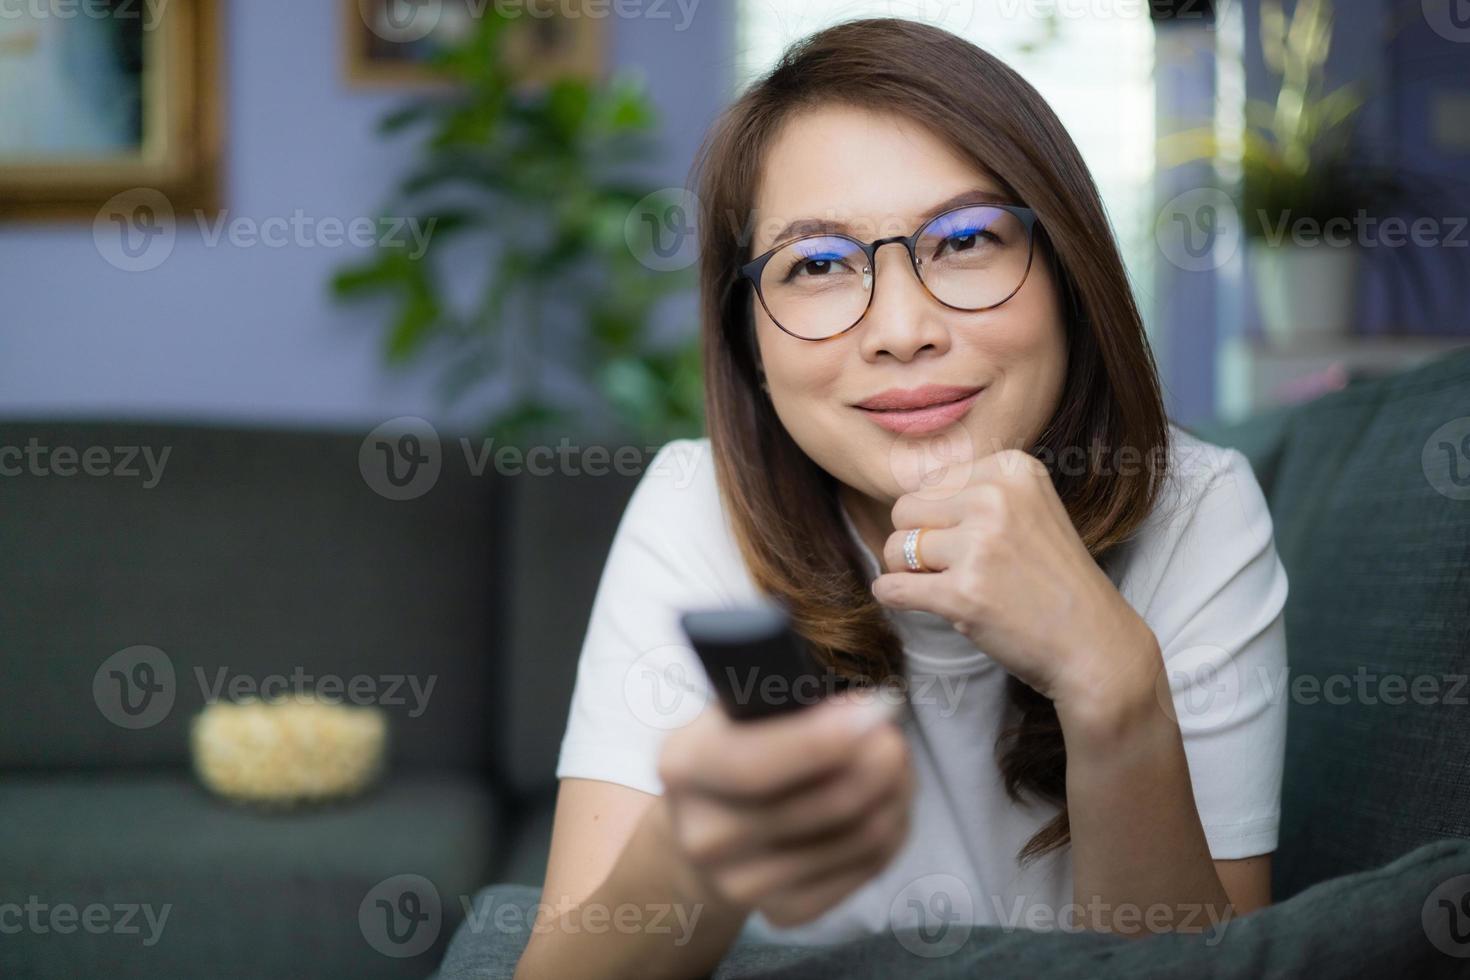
[872, 518]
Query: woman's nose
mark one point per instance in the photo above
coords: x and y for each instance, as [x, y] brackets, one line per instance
[902, 318]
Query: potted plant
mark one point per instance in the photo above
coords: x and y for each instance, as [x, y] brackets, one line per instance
[525, 193]
[1299, 181]
[1308, 200]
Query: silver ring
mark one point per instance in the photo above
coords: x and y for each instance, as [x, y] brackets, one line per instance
[911, 550]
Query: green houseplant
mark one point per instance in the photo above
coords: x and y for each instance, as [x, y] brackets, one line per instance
[530, 210]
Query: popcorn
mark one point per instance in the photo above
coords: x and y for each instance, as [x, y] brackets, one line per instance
[288, 750]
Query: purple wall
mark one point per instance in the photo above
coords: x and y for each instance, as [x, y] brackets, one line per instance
[249, 333]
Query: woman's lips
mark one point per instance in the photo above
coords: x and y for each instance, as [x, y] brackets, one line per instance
[921, 421]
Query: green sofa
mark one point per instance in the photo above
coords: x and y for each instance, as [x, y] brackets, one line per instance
[272, 556]
[273, 553]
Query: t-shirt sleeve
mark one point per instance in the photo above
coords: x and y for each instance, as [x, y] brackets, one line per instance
[637, 679]
[1219, 618]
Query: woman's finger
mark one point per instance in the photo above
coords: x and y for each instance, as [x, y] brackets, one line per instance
[803, 903]
[938, 548]
[742, 760]
[715, 831]
[878, 833]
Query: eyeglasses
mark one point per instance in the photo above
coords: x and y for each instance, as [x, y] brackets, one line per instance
[970, 258]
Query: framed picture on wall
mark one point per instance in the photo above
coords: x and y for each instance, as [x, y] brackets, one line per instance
[118, 96]
[390, 43]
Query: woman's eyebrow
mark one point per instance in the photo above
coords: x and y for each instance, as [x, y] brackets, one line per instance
[826, 226]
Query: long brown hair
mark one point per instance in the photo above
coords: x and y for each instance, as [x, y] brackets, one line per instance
[783, 508]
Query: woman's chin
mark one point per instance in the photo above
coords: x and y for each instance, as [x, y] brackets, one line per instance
[933, 462]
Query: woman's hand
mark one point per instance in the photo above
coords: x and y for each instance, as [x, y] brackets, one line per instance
[1010, 572]
[788, 815]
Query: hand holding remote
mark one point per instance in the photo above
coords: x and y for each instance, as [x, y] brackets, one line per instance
[788, 815]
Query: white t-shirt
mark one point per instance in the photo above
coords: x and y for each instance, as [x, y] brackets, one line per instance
[1202, 571]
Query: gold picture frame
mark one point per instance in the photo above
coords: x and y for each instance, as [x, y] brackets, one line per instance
[179, 93]
[381, 53]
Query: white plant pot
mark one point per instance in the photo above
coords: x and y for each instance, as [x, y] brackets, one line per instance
[1305, 292]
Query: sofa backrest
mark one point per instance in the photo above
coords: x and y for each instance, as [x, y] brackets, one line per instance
[262, 560]
[559, 532]
[1369, 489]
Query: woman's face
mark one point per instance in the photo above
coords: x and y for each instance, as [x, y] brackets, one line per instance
[881, 175]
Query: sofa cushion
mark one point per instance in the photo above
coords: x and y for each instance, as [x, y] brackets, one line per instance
[1374, 532]
[232, 891]
[261, 558]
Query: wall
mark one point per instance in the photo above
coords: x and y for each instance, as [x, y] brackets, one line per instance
[222, 332]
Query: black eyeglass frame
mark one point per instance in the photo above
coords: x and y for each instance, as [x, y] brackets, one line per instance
[753, 269]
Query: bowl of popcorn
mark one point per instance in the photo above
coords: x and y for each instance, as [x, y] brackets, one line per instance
[288, 750]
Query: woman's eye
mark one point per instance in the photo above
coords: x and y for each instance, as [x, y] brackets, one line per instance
[966, 241]
[814, 267]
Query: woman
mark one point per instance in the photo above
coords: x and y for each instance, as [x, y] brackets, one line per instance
[1089, 628]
